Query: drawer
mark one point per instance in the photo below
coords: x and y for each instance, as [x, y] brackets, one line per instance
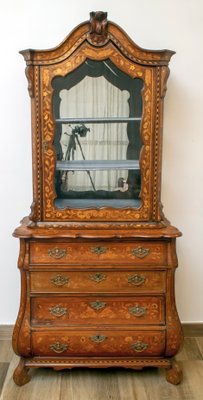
[91, 253]
[98, 343]
[98, 310]
[98, 281]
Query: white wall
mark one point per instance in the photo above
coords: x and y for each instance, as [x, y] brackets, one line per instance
[154, 24]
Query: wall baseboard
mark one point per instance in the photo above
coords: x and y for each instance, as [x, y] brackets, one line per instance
[6, 332]
[189, 329]
[194, 329]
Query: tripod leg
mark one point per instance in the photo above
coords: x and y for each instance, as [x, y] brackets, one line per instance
[83, 156]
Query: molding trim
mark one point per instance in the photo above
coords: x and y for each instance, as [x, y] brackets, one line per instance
[194, 329]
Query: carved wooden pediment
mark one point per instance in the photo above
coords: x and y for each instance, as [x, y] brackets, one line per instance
[98, 34]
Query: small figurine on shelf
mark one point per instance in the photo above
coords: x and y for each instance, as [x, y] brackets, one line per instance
[122, 185]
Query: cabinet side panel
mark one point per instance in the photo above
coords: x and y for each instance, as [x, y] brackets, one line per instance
[34, 90]
[21, 332]
[174, 333]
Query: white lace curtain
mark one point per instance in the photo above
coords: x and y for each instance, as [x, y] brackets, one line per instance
[94, 98]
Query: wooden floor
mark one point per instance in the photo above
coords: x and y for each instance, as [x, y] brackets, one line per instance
[108, 384]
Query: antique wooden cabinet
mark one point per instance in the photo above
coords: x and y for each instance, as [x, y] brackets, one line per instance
[97, 256]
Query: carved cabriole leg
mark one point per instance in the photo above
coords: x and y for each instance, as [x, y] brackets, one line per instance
[20, 375]
[174, 374]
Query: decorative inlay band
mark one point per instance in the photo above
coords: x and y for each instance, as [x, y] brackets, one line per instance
[164, 363]
[156, 153]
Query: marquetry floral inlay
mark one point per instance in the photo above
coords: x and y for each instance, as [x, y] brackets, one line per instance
[49, 159]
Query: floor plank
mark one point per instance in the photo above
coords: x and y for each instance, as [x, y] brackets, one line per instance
[3, 372]
[199, 341]
[192, 385]
[91, 384]
[45, 384]
[107, 384]
[6, 352]
[190, 350]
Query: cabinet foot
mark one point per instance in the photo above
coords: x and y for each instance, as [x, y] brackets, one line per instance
[174, 374]
[20, 375]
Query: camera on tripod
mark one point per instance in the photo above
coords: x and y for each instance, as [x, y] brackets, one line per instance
[80, 130]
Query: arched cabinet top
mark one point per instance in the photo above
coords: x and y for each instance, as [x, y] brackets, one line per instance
[97, 48]
[98, 32]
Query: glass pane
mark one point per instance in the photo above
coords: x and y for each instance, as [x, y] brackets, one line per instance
[97, 109]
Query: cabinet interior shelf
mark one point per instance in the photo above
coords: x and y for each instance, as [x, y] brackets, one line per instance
[96, 120]
[94, 165]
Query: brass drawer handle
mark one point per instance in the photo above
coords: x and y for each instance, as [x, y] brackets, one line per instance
[58, 311]
[99, 250]
[58, 347]
[97, 305]
[59, 280]
[136, 279]
[98, 338]
[137, 311]
[98, 277]
[139, 346]
[57, 253]
[140, 252]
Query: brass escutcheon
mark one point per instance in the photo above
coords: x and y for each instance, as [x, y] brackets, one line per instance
[98, 277]
[58, 311]
[99, 250]
[98, 338]
[59, 280]
[136, 279]
[58, 347]
[137, 311]
[139, 346]
[140, 252]
[57, 253]
[97, 305]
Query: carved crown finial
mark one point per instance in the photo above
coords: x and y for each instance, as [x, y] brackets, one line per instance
[98, 27]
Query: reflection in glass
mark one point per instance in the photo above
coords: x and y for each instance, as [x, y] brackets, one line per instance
[97, 109]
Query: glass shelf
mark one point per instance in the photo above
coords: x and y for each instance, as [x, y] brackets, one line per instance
[94, 165]
[96, 120]
[96, 203]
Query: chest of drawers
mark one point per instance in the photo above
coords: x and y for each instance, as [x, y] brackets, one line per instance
[106, 302]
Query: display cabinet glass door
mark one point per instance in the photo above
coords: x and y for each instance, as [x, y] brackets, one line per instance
[97, 110]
